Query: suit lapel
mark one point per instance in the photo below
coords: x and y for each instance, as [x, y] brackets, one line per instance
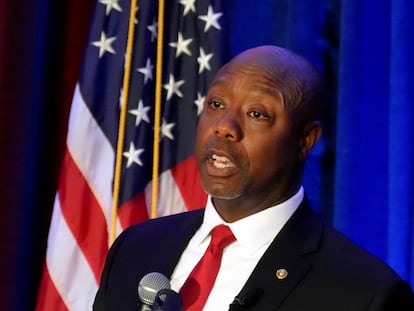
[283, 266]
[179, 237]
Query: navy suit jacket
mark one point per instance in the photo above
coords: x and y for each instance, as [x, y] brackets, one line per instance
[326, 271]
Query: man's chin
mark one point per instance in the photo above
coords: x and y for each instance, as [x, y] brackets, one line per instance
[221, 193]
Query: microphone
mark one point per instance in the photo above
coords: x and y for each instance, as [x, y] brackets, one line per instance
[246, 298]
[148, 288]
[167, 300]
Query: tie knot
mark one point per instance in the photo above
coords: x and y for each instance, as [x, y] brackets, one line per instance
[221, 236]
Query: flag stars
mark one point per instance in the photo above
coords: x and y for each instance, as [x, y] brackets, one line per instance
[141, 113]
[181, 45]
[154, 30]
[188, 6]
[136, 14]
[111, 4]
[166, 130]
[133, 155]
[211, 19]
[199, 102]
[173, 87]
[147, 70]
[121, 98]
[104, 44]
[204, 61]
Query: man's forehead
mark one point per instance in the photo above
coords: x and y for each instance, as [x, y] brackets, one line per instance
[254, 79]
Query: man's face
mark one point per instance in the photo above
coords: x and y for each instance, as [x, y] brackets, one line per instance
[246, 146]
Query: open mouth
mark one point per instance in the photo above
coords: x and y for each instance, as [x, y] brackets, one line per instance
[221, 161]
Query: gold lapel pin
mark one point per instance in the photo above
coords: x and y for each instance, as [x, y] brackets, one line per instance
[281, 274]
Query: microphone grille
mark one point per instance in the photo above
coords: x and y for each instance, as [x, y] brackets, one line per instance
[149, 286]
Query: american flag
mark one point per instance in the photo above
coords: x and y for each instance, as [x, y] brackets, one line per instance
[79, 235]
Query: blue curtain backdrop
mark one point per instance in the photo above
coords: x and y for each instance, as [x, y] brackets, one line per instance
[374, 171]
[360, 177]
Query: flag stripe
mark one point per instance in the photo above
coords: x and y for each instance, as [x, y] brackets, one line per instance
[49, 298]
[90, 230]
[91, 151]
[187, 179]
[63, 251]
[170, 200]
[129, 214]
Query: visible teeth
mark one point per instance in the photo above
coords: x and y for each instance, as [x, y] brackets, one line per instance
[220, 159]
[221, 162]
[222, 165]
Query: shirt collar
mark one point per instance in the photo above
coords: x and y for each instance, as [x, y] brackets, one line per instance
[256, 230]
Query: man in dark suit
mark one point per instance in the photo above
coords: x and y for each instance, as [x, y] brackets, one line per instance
[257, 128]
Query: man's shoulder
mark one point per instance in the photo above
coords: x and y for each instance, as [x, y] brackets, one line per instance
[351, 260]
[345, 270]
[172, 219]
[334, 252]
[165, 225]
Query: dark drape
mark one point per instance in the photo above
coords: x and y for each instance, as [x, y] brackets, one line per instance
[41, 43]
[359, 177]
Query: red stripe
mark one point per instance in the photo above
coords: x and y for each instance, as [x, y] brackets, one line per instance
[83, 215]
[134, 211]
[48, 297]
[187, 178]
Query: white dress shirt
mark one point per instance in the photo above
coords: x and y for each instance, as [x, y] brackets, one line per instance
[254, 235]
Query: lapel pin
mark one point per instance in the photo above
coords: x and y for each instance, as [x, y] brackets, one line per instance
[281, 274]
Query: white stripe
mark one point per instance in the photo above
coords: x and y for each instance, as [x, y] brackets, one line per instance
[67, 265]
[92, 153]
[170, 200]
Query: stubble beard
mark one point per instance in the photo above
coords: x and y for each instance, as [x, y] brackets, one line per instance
[221, 192]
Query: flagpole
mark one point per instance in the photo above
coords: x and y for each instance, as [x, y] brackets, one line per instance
[122, 120]
[157, 112]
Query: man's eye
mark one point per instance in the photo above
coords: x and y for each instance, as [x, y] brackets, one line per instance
[257, 115]
[216, 105]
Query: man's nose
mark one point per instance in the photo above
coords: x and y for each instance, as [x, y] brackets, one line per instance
[229, 127]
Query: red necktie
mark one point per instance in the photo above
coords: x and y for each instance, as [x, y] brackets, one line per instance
[198, 285]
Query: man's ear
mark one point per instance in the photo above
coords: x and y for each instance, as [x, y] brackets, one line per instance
[311, 134]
